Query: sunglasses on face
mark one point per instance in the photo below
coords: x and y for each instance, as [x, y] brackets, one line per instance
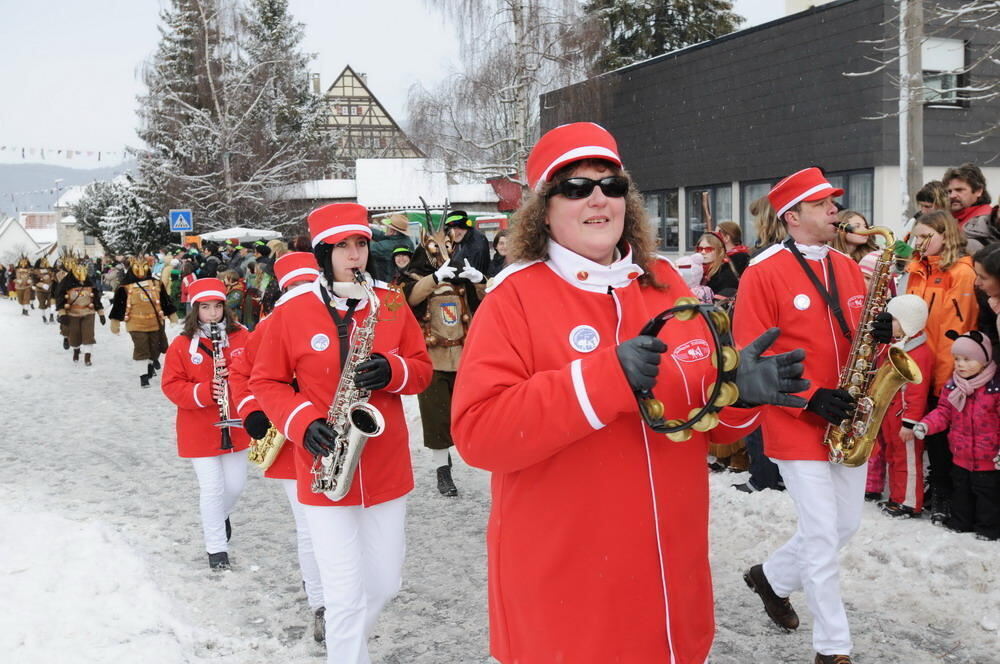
[704, 250]
[614, 186]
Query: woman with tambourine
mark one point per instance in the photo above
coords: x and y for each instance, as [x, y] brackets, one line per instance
[598, 537]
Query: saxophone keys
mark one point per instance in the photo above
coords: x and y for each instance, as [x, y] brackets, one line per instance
[857, 379]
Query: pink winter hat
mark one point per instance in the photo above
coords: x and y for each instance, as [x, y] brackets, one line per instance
[972, 344]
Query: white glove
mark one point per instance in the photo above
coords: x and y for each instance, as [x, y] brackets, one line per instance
[920, 430]
[444, 273]
[470, 273]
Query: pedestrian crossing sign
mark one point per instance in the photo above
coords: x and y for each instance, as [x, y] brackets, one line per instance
[180, 221]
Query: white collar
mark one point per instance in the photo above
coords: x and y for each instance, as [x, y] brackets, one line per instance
[348, 290]
[585, 274]
[813, 252]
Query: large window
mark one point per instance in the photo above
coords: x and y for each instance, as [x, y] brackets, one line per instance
[749, 192]
[714, 199]
[944, 66]
[662, 208]
[858, 191]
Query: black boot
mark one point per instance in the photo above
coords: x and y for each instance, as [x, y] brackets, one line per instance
[76, 354]
[144, 380]
[24, 312]
[65, 343]
[319, 625]
[52, 318]
[445, 484]
[156, 363]
[229, 529]
[150, 370]
[86, 359]
[218, 560]
[940, 509]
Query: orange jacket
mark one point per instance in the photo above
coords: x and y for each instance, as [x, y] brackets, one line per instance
[951, 300]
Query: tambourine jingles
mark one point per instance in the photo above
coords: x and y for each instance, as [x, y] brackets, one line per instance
[725, 358]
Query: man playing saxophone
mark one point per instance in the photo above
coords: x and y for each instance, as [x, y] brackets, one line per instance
[358, 540]
[815, 295]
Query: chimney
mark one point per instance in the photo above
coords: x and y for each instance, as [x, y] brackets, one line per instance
[315, 83]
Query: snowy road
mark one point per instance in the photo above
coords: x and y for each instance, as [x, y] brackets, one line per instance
[101, 558]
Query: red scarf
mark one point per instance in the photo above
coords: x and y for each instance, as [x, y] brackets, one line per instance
[963, 215]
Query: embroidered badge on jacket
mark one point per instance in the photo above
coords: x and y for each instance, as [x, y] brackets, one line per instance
[320, 342]
[801, 302]
[584, 338]
[449, 313]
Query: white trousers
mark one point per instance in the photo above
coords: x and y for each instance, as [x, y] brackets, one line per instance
[360, 554]
[307, 558]
[828, 499]
[221, 479]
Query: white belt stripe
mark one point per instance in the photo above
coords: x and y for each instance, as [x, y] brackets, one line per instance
[295, 412]
[406, 374]
[576, 372]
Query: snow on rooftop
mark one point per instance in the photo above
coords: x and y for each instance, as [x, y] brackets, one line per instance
[318, 190]
[385, 183]
[71, 196]
[480, 192]
[42, 236]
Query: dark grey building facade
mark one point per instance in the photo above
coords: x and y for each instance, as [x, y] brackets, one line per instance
[724, 120]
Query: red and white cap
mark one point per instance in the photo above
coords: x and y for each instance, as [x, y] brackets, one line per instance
[566, 144]
[805, 185]
[332, 223]
[208, 289]
[296, 266]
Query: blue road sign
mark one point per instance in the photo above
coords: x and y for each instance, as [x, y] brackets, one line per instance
[181, 221]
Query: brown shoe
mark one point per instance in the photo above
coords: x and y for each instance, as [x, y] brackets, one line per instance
[832, 659]
[778, 608]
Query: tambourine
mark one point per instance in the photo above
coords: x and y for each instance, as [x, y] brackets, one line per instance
[723, 392]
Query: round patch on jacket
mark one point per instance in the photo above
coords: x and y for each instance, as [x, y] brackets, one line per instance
[197, 358]
[584, 338]
[801, 302]
[320, 342]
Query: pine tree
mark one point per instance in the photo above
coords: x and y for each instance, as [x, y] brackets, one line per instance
[639, 29]
[117, 214]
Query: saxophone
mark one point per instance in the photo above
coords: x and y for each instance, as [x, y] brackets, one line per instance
[351, 417]
[263, 452]
[852, 440]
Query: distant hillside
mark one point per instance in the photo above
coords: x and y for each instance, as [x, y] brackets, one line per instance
[32, 177]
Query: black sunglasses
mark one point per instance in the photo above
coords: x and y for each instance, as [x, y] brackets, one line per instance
[614, 186]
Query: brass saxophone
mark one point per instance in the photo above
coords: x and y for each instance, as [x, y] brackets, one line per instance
[263, 452]
[351, 417]
[852, 440]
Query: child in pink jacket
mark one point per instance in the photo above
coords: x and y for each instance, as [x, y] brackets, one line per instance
[970, 409]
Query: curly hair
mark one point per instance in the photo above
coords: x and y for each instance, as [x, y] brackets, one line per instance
[529, 237]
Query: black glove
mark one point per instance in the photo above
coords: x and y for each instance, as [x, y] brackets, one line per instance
[834, 406]
[373, 374]
[882, 328]
[319, 439]
[640, 360]
[103, 319]
[256, 424]
[773, 379]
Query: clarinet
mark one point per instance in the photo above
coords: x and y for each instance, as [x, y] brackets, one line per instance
[225, 421]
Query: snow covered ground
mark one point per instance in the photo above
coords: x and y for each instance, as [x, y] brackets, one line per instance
[101, 557]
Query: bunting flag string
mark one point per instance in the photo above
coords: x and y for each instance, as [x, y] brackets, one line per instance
[34, 152]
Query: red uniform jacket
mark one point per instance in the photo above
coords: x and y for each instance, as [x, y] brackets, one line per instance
[598, 533]
[775, 292]
[283, 467]
[187, 382]
[300, 343]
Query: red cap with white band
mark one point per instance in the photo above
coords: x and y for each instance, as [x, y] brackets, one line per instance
[566, 144]
[296, 266]
[332, 223]
[809, 184]
[208, 289]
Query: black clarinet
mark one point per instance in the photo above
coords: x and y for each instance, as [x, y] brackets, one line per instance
[225, 422]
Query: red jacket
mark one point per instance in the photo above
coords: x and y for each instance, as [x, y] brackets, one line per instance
[775, 292]
[187, 382]
[300, 343]
[186, 282]
[973, 433]
[598, 533]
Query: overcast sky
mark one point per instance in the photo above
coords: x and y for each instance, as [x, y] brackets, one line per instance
[69, 74]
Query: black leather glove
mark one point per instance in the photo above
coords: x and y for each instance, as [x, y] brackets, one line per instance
[257, 424]
[882, 328]
[103, 319]
[319, 439]
[773, 379]
[834, 406]
[640, 360]
[373, 374]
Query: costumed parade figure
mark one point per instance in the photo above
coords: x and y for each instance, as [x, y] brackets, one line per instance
[195, 379]
[142, 303]
[352, 347]
[44, 279]
[443, 296]
[78, 300]
[598, 534]
[22, 284]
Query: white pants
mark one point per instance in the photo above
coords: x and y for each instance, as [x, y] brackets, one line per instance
[221, 479]
[360, 554]
[307, 558]
[828, 498]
